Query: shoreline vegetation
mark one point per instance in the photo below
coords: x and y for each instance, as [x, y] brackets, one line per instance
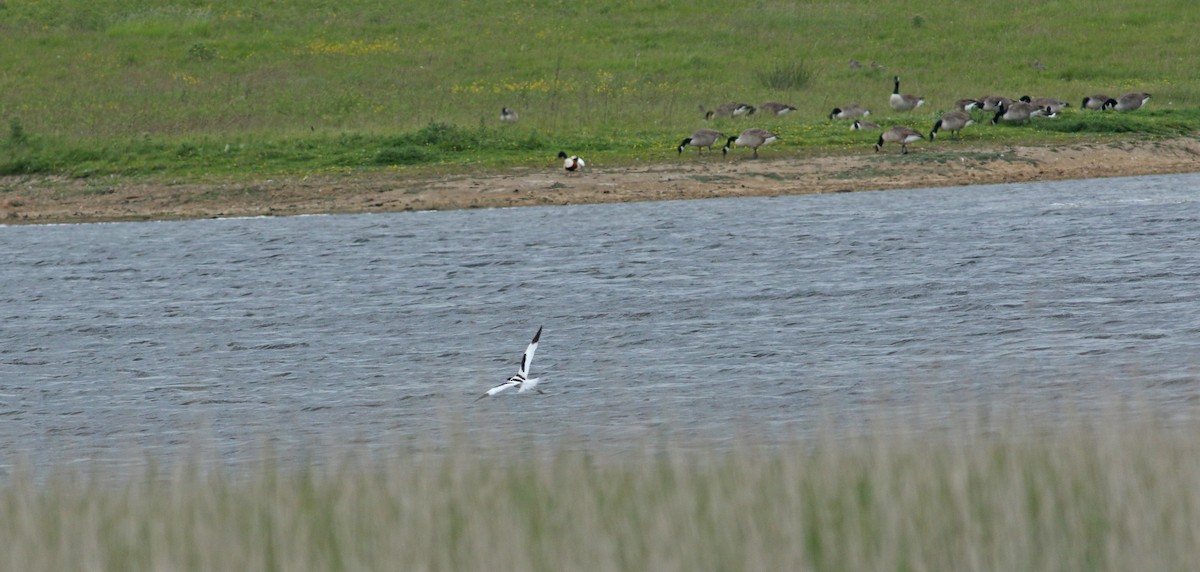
[132, 111]
[34, 199]
[1111, 490]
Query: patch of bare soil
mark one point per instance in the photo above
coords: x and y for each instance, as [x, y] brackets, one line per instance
[51, 199]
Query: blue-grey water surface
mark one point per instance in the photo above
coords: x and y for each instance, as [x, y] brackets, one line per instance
[709, 319]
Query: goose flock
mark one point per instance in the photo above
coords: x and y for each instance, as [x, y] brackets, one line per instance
[1003, 109]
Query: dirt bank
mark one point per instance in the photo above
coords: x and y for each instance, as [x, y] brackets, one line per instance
[50, 199]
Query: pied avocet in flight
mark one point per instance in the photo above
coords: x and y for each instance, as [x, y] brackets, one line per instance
[521, 380]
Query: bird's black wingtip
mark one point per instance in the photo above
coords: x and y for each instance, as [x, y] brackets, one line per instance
[538, 335]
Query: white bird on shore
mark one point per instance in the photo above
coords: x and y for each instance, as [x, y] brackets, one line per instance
[521, 380]
[572, 163]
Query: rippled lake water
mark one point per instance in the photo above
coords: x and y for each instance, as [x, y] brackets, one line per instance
[707, 319]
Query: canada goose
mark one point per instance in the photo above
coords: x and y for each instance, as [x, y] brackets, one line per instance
[849, 112]
[776, 108]
[731, 109]
[899, 134]
[508, 116]
[993, 102]
[1020, 111]
[1094, 101]
[864, 126]
[1055, 105]
[1128, 102]
[903, 101]
[952, 121]
[966, 104]
[752, 137]
[700, 139]
[572, 163]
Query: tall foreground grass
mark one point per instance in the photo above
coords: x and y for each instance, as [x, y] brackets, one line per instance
[1117, 494]
[135, 86]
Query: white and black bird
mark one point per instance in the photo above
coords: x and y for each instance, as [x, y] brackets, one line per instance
[572, 163]
[508, 116]
[849, 112]
[994, 102]
[966, 104]
[860, 125]
[521, 380]
[952, 121]
[899, 134]
[1020, 111]
[1054, 104]
[700, 139]
[903, 101]
[1096, 101]
[730, 109]
[776, 108]
[752, 137]
[1127, 102]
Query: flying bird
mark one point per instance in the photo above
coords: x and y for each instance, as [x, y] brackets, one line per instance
[572, 163]
[521, 380]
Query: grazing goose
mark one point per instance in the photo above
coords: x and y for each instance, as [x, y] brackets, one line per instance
[1128, 102]
[1055, 105]
[700, 139]
[753, 138]
[899, 134]
[508, 116]
[1020, 111]
[993, 102]
[864, 125]
[849, 112]
[776, 108]
[572, 163]
[903, 101]
[1094, 101]
[952, 121]
[966, 104]
[731, 109]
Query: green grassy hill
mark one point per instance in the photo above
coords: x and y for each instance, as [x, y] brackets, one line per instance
[144, 87]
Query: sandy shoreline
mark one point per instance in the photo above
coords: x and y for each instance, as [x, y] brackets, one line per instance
[52, 199]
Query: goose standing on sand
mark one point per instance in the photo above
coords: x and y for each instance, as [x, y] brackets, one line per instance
[899, 134]
[776, 108]
[752, 137]
[1094, 101]
[903, 101]
[851, 111]
[1127, 102]
[572, 163]
[700, 139]
[1020, 111]
[508, 116]
[952, 121]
